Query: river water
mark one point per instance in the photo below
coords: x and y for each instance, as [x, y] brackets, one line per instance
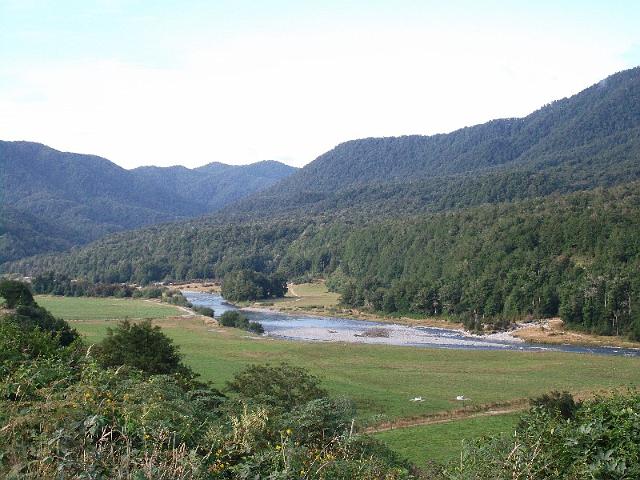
[334, 329]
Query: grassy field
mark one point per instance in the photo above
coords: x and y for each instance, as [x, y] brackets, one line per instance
[442, 441]
[307, 296]
[88, 308]
[382, 379]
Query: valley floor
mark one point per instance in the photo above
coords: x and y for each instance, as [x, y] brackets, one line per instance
[382, 380]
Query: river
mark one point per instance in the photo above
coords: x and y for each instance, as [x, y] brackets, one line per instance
[335, 329]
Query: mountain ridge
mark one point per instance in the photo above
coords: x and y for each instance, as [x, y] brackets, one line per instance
[588, 140]
[88, 196]
[549, 137]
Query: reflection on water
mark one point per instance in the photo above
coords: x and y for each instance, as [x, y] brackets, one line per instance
[334, 329]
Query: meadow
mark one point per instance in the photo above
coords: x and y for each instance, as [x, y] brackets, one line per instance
[443, 441]
[382, 379]
[108, 308]
[307, 296]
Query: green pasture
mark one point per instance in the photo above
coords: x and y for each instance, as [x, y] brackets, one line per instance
[91, 308]
[442, 442]
[382, 379]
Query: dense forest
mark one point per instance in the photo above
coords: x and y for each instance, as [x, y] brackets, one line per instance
[54, 200]
[575, 255]
[590, 139]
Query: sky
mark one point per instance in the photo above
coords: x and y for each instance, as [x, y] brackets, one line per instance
[190, 82]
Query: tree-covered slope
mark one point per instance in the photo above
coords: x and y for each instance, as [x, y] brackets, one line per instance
[577, 255]
[215, 185]
[590, 139]
[501, 220]
[52, 200]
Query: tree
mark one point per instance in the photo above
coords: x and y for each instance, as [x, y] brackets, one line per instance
[31, 317]
[284, 386]
[140, 345]
[15, 293]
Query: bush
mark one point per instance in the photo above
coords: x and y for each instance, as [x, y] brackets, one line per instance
[140, 345]
[34, 316]
[232, 318]
[556, 402]
[229, 318]
[206, 311]
[284, 386]
[15, 293]
[601, 440]
[255, 327]
[63, 416]
[175, 297]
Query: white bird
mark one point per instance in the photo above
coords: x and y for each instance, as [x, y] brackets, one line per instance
[462, 398]
[417, 399]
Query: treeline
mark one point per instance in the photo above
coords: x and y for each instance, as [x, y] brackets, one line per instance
[588, 140]
[174, 252]
[575, 255]
[59, 284]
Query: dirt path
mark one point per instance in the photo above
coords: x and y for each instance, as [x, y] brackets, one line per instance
[489, 410]
[451, 416]
[292, 291]
[188, 312]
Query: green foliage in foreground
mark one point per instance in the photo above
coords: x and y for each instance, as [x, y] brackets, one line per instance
[284, 386]
[15, 293]
[27, 315]
[601, 441]
[62, 415]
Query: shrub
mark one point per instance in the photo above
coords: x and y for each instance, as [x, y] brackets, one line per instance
[602, 440]
[229, 318]
[15, 293]
[233, 318]
[556, 402]
[140, 345]
[206, 311]
[284, 386]
[255, 327]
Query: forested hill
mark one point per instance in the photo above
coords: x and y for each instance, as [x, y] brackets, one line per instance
[52, 200]
[215, 185]
[575, 255]
[590, 139]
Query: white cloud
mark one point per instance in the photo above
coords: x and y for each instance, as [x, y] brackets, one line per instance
[294, 95]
